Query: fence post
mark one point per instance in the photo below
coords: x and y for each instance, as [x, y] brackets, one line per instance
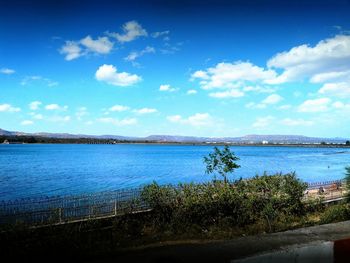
[60, 214]
[115, 207]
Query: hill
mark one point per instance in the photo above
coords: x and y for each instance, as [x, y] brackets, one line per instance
[247, 139]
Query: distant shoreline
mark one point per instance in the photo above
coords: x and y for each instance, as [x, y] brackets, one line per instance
[246, 140]
[198, 144]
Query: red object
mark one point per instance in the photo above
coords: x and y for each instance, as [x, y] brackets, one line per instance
[342, 251]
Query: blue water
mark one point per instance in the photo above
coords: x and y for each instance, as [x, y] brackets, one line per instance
[36, 170]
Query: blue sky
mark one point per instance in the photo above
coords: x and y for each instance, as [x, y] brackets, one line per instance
[202, 68]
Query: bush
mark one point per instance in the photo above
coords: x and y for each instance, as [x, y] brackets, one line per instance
[347, 182]
[240, 203]
[315, 205]
[335, 213]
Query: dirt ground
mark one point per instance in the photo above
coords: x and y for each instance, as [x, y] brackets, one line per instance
[328, 193]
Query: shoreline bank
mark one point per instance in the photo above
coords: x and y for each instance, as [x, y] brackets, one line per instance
[193, 144]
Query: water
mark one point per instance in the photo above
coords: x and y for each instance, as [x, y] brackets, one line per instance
[35, 170]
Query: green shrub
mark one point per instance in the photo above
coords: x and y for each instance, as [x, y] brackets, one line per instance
[347, 183]
[315, 205]
[240, 203]
[335, 213]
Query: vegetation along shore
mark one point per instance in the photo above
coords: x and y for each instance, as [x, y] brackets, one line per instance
[222, 209]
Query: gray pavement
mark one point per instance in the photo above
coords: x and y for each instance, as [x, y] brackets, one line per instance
[238, 248]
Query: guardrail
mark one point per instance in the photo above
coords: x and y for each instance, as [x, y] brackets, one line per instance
[328, 191]
[60, 210]
[57, 210]
[325, 183]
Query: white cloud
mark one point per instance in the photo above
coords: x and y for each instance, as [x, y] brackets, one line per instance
[131, 31]
[27, 122]
[71, 50]
[109, 74]
[232, 75]
[285, 107]
[170, 48]
[117, 122]
[197, 120]
[81, 112]
[272, 99]
[174, 118]
[75, 49]
[263, 122]
[51, 83]
[160, 34]
[316, 105]
[145, 110]
[30, 79]
[329, 76]
[118, 108]
[233, 93]
[89, 122]
[136, 54]
[297, 94]
[269, 100]
[56, 107]
[200, 74]
[341, 106]
[259, 89]
[7, 71]
[191, 92]
[37, 116]
[82, 109]
[341, 89]
[62, 119]
[296, 122]
[252, 105]
[338, 105]
[166, 87]
[101, 45]
[327, 59]
[34, 105]
[8, 108]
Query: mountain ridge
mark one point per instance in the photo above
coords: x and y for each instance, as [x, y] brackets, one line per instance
[250, 138]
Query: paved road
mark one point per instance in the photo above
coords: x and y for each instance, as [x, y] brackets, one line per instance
[226, 251]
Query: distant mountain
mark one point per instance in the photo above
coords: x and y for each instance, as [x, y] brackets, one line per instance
[7, 133]
[247, 139]
[175, 138]
[65, 135]
[77, 136]
[289, 139]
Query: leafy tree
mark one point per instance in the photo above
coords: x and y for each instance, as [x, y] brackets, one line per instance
[347, 142]
[221, 162]
[347, 181]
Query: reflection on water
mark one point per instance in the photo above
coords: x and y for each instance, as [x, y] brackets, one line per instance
[35, 170]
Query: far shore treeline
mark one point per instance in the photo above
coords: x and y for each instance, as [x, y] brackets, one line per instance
[20, 139]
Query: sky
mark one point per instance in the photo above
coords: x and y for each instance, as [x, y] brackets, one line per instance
[198, 68]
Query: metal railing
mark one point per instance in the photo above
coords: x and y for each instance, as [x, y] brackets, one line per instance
[59, 210]
[325, 183]
[56, 210]
[327, 191]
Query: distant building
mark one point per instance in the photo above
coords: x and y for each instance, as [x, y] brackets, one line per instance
[6, 142]
[265, 142]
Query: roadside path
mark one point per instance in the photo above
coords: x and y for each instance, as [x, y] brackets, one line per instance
[226, 251]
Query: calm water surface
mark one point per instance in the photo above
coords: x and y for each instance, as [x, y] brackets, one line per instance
[35, 170]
